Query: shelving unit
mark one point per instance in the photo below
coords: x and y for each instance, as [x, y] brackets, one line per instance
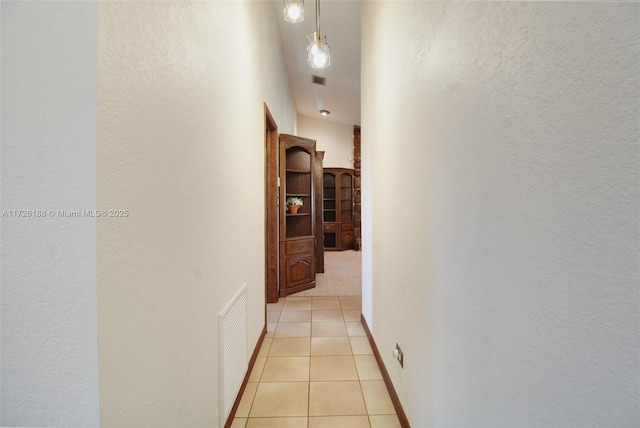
[297, 231]
[337, 208]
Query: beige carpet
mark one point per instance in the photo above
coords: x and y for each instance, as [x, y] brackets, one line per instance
[342, 275]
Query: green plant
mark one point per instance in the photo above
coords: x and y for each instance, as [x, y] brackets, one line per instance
[293, 200]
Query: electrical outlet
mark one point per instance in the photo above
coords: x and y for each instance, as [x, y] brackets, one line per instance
[399, 355]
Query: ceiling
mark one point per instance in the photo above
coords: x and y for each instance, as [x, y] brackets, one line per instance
[340, 21]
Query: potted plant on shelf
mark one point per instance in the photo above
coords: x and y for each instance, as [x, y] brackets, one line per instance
[293, 204]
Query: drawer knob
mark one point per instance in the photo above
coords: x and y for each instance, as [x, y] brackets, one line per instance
[300, 246]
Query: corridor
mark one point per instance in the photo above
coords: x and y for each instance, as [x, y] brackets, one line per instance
[315, 369]
[499, 221]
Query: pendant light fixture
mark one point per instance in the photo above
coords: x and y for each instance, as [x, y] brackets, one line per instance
[319, 51]
[293, 10]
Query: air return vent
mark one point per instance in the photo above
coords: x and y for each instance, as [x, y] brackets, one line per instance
[319, 80]
[233, 351]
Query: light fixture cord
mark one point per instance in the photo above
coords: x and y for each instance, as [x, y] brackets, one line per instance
[318, 17]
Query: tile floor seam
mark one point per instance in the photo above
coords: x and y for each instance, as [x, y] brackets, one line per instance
[252, 400]
[365, 401]
[309, 374]
[309, 388]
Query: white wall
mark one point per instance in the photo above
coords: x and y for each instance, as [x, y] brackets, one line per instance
[336, 139]
[180, 141]
[181, 87]
[509, 131]
[48, 308]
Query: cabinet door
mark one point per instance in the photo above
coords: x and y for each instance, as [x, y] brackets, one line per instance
[346, 210]
[346, 197]
[329, 207]
[346, 236]
[298, 267]
[300, 270]
[329, 197]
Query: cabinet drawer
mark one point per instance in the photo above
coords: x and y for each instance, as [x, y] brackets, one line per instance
[300, 246]
[329, 227]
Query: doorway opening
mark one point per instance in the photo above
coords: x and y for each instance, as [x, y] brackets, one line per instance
[344, 276]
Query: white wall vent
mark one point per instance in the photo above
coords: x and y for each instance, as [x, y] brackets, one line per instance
[233, 359]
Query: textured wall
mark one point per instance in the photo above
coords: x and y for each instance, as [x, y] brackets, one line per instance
[336, 139]
[500, 165]
[48, 312]
[181, 87]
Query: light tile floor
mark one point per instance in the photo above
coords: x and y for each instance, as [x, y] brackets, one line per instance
[315, 369]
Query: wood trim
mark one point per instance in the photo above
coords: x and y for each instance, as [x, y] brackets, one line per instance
[252, 362]
[402, 416]
[271, 206]
[318, 171]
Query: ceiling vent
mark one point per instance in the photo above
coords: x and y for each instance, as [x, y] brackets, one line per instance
[319, 80]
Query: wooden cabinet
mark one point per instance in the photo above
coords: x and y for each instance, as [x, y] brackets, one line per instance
[297, 231]
[337, 208]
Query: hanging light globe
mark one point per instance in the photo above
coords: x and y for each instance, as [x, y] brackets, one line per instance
[293, 10]
[318, 50]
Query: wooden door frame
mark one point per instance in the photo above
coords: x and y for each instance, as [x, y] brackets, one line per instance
[271, 238]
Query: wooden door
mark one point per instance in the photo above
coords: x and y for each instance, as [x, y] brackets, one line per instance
[297, 229]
